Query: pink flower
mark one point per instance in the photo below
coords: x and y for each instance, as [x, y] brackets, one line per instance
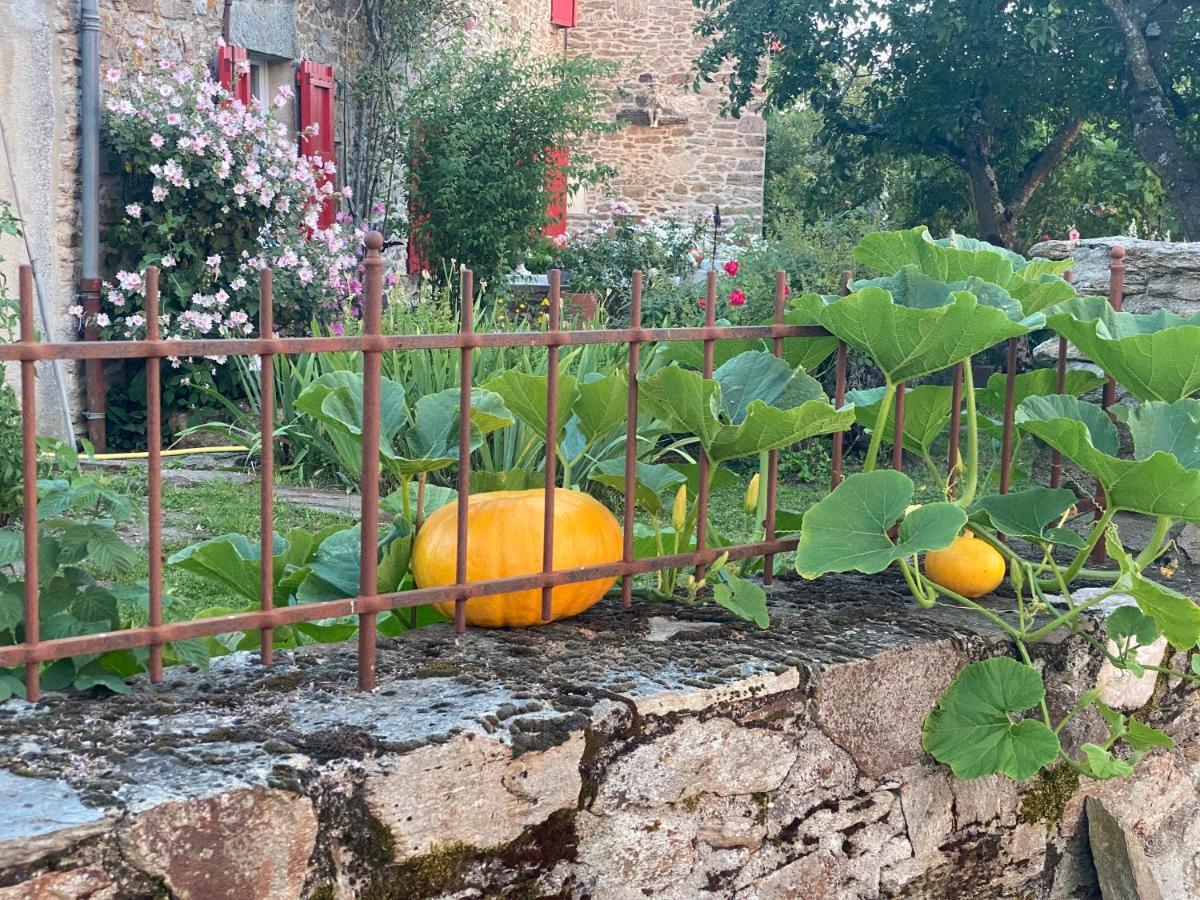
[102, 320]
[731, 268]
[1073, 234]
[112, 76]
[737, 298]
[702, 303]
[337, 329]
[134, 211]
[156, 140]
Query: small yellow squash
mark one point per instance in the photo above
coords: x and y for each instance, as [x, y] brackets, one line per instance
[969, 566]
[504, 540]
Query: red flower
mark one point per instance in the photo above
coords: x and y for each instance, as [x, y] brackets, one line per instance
[731, 268]
[737, 298]
[702, 303]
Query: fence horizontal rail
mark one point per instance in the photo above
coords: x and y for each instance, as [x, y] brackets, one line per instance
[147, 636]
[382, 343]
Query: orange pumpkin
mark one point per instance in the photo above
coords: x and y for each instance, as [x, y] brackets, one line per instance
[504, 540]
[969, 566]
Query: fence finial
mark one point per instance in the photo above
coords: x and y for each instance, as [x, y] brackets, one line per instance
[373, 242]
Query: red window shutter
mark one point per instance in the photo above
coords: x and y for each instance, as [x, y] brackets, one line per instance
[314, 83]
[556, 192]
[233, 71]
[562, 13]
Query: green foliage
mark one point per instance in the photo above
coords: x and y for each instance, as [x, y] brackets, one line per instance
[849, 529]
[972, 729]
[481, 122]
[1153, 355]
[79, 544]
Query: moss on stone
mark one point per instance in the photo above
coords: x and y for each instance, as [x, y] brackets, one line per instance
[762, 801]
[436, 668]
[1048, 798]
[442, 870]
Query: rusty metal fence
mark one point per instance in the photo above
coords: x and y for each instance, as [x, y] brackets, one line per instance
[34, 651]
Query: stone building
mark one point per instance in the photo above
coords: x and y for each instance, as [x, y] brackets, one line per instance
[676, 157]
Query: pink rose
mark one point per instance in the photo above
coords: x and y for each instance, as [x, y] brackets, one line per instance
[731, 268]
[737, 298]
[1073, 234]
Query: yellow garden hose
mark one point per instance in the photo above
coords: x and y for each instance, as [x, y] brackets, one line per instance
[182, 451]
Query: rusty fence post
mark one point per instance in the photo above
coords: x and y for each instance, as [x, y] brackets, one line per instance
[551, 466]
[154, 474]
[710, 321]
[772, 485]
[839, 394]
[369, 482]
[266, 500]
[466, 330]
[631, 417]
[1116, 299]
[29, 504]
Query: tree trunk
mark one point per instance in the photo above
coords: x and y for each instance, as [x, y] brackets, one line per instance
[1155, 125]
[995, 225]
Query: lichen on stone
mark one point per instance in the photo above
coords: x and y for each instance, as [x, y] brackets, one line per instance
[1048, 799]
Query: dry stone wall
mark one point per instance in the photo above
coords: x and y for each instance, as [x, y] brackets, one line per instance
[661, 752]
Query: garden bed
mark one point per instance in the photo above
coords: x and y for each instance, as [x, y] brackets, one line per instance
[660, 750]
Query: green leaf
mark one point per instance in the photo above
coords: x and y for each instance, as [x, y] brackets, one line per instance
[926, 414]
[110, 554]
[336, 401]
[601, 406]
[907, 342]
[12, 606]
[651, 481]
[395, 553]
[525, 395]
[951, 259]
[229, 559]
[11, 685]
[330, 631]
[12, 546]
[1153, 355]
[433, 440]
[1103, 765]
[1155, 483]
[757, 375]
[1036, 383]
[848, 529]
[687, 402]
[1027, 513]
[1165, 427]
[1143, 737]
[742, 598]
[193, 651]
[95, 604]
[1128, 623]
[1177, 616]
[972, 730]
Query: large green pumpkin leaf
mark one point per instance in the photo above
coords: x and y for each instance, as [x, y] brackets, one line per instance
[1167, 427]
[336, 401]
[601, 405]
[1154, 356]
[231, 560]
[972, 730]
[757, 375]
[433, 439]
[651, 481]
[525, 395]
[908, 342]
[687, 402]
[1026, 513]
[1036, 383]
[1154, 482]
[926, 414]
[848, 529]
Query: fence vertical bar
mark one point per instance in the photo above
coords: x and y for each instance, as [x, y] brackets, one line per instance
[710, 320]
[631, 416]
[551, 440]
[839, 395]
[1010, 404]
[772, 485]
[1116, 298]
[466, 327]
[368, 488]
[898, 429]
[955, 425]
[1060, 385]
[29, 509]
[154, 474]
[266, 425]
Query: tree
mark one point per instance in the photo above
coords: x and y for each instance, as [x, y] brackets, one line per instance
[1161, 44]
[481, 127]
[999, 91]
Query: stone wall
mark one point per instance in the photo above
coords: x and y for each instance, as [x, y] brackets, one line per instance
[662, 752]
[677, 155]
[1158, 274]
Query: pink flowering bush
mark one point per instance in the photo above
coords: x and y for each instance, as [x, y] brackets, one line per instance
[213, 191]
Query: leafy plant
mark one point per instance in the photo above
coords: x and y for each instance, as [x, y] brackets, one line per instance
[79, 544]
[912, 323]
